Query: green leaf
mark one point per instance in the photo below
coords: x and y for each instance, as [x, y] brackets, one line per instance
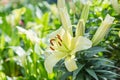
[32, 78]
[77, 71]
[102, 77]
[80, 77]
[107, 72]
[104, 62]
[101, 59]
[2, 42]
[93, 51]
[92, 73]
[2, 76]
[111, 66]
[45, 19]
[87, 77]
[64, 76]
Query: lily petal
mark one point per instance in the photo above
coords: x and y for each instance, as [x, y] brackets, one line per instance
[67, 40]
[32, 36]
[70, 64]
[52, 60]
[82, 43]
[60, 31]
[21, 30]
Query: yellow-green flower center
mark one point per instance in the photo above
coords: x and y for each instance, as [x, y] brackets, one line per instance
[58, 44]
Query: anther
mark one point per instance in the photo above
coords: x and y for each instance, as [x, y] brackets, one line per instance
[51, 41]
[52, 48]
[58, 36]
[59, 43]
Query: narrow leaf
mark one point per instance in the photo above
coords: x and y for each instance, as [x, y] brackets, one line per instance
[64, 76]
[107, 72]
[92, 73]
[93, 51]
[77, 71]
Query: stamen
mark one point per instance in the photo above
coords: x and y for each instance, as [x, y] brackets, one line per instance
[51, 41]
[59, 43]
[52, 48]
[58, 36]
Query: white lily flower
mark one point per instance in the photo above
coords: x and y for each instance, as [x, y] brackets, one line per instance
[64, 46]
[15, 16]
[103, 29]
[21, 54]
[18, 12]
[30, 34]
[10, 19]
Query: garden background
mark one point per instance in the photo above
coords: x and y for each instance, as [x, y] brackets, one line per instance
[28, 39]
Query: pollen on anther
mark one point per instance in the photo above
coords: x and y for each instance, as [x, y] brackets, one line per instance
[52, 48]
[51, 42]
[59, 43]
[58, 36]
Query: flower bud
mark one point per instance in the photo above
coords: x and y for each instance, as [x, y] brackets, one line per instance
[18, 12]
[15, 17]
[80, 29]
[102, 30]
[65, 19]
[85, 11]
[115, 5]
[72, 6]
